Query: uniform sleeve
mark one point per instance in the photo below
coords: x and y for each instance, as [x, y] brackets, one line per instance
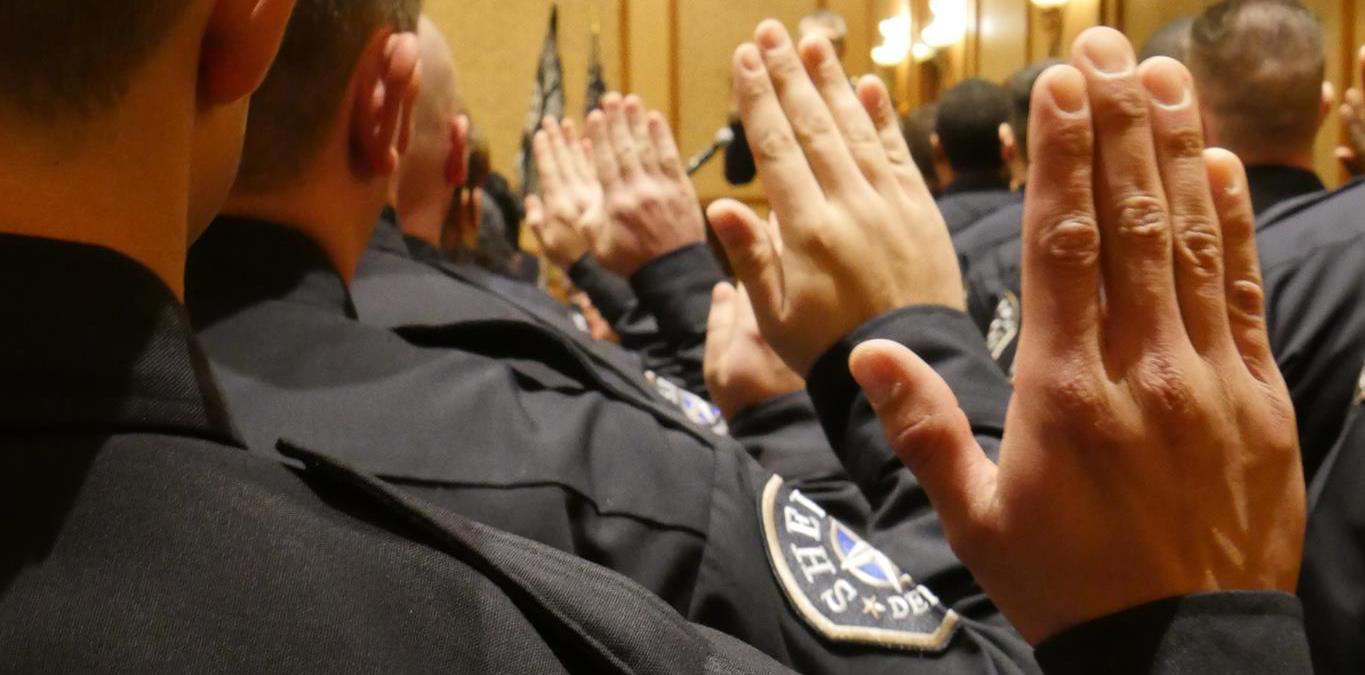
[676, 290]
[739, 161]
[949, 342]
[611, 294]
[1246, 633]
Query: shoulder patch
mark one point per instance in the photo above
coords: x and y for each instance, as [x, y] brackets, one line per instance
[841, 586]
[696, 409]
[1005, 325]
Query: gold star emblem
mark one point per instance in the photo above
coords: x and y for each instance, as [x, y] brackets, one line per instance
[871, 606]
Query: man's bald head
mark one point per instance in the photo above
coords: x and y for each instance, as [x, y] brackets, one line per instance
[1259, 67]
[434, 162]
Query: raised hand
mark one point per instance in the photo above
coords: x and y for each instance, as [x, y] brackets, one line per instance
[862, 234]
[1352, 151]
[1150, 450]
[572, 212]
[652, 204]
[741, 370]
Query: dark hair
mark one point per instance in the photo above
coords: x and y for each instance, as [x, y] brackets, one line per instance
[1259, 67]
[509, 205]
[1172, 40]
[303, 93]
[1020, 87]
[968, 125]
[917, 127]
[74, 58]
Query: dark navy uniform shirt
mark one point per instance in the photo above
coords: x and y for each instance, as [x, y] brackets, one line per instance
[500, 421]
[971, 198]
[139, 536]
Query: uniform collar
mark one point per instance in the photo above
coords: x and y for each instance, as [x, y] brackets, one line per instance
[1270, 185]
[95, 342]
[388, 237]
[976, 182]
[240, 263]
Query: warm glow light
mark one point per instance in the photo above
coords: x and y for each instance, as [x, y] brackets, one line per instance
[949, 24]
[922, 52]
[1049, 4]
[895, 46]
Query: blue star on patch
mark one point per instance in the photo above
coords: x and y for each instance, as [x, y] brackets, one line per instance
[843, 587]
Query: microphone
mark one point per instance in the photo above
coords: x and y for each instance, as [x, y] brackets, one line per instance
[723, 139]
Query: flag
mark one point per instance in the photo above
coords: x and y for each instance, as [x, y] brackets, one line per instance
[547, 98]
[597, 84]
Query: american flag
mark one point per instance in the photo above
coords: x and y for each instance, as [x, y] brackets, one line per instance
[546, 99]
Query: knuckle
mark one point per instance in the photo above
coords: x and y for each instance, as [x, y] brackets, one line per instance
[784, 69]
[1185, 143]
[1163, 388]
[1071, 141]
[1072, 240]
[1071, 393]
[923, 438]
[1246, 297]
[1199, 244]
[811, 125]
[1141, 220]
[774, 145]
[1123, 106]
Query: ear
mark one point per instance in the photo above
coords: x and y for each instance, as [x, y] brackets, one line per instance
[457, 165]
[240, 44]
[387, 83]
[1328, 103]
[1009, 147]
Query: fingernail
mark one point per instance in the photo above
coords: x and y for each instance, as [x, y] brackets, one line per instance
[771, 35]
[1167, 86]
[1110, 53]
[1068, 91]
[748, 58]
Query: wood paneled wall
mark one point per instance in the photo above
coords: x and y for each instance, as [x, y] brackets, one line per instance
[676, 54]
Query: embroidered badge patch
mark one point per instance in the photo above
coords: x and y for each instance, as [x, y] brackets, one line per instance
[695, 408]
[844, 588]
[1005, 325]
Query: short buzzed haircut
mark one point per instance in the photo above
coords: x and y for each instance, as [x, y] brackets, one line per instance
[71, 59]
[968, 125]
[1259, 67]
[917, 127]
[1020, 88]
[302, 95]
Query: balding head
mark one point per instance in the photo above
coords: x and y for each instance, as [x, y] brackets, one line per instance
[1258, 67]
[434, 162]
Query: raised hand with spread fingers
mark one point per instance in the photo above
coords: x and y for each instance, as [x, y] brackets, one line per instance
[860, 232]
[651, 203]
[572, 213]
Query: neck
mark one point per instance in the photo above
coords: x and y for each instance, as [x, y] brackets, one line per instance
[332, 208]
[122, 182]
[423, 219]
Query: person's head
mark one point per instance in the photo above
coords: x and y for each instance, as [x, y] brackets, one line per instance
[134, 107]
[1171, 40]
[1014, 134]
[1258, 66]
[435, 162]
[918, 127]
[831, 25]
[330, 122]
[967, 127]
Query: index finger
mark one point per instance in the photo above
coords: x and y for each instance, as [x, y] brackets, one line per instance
[782, 168]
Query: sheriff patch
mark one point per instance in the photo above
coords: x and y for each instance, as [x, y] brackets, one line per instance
[1005, 325]
[695, 408]
[844, 588]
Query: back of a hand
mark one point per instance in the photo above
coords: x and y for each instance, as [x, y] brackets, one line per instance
[1150, 450]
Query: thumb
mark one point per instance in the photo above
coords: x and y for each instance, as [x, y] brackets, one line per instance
[720, 323]
[928, 431]
[753, 255]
